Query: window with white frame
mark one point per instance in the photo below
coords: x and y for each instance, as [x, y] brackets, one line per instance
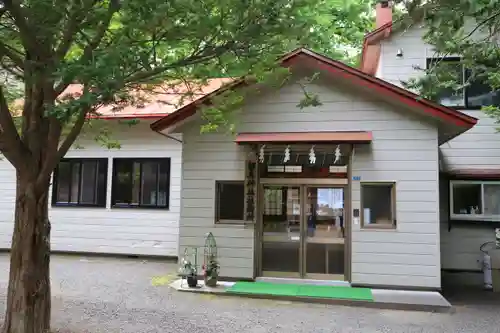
[475, 199]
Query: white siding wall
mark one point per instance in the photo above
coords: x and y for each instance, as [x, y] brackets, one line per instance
[7, 197]
[207, 158]
[107, 230]
[477, 148]
[404, 150]
[396, 69]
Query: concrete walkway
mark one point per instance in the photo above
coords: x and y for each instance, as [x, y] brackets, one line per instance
[382, 298]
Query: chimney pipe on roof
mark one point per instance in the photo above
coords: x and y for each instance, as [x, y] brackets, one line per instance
[383, 13]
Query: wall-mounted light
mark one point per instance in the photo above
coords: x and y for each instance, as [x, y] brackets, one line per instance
[400, 53]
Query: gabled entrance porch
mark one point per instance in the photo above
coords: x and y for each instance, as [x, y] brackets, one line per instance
[302, 203]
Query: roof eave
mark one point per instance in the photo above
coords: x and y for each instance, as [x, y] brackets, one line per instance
[460, 121]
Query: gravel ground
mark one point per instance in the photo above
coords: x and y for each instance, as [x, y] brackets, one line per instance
[122, 295]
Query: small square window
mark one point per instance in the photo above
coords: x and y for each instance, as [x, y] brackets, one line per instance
[378, 205]
[230, 201]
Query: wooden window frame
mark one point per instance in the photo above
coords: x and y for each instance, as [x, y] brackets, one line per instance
[80, 161]
[394, 224]
[475, 217]
[141, 161]
[218, 183]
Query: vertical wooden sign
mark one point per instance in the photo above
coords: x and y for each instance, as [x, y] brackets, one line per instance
[250, 190]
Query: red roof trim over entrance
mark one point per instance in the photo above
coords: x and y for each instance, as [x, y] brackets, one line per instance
[336, 68]
[318, 137]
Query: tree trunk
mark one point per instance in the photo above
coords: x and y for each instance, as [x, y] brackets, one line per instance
[29, 299]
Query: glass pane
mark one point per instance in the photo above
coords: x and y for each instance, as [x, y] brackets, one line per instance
[122, 191]
[136, 183]
[273, 201]
[88, 183]
[75, 179]
[325, 231]
[453, 72]
[149, 183]
[231, 201]
[163, 184]
[480, 94]
[377, 204]
[492, 199]
[467, 199]
[102, 182]
[281, 229]
[63, 181]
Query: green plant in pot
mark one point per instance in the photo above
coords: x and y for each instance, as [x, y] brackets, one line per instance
[211, 272]
[188, 271]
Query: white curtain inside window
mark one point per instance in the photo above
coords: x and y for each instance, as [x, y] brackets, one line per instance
[491, 199]
[273, 201]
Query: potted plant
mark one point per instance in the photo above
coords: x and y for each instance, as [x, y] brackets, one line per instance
[188, 270]
[211, 272]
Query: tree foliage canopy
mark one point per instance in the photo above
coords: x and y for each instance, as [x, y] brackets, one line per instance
[112, 47]
[466, 29]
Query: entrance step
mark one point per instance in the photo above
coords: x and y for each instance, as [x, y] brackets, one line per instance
[303, 281]
[339, 295]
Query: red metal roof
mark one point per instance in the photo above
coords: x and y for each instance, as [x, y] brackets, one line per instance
[158, 102]
[164, 100]
[338, 69]
[310, 137]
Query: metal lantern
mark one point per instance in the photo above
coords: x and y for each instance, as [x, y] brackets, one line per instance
[211, 264]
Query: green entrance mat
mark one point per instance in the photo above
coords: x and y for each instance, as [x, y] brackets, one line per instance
[301, 290]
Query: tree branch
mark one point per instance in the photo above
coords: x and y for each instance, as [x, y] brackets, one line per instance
[442, 56]
[12, 71]
[10, 142]
[192, 60]
[7, 51]
[75, 19]
[114, 6]
[480, 24]
[55, 130]
[28, 38]
[73, 134]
